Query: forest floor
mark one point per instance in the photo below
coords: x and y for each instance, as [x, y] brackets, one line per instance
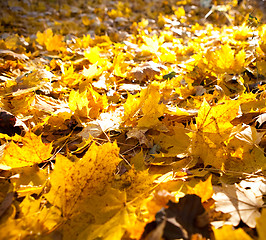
[132, 119]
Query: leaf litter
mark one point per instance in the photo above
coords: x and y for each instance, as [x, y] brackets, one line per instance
[132, 119]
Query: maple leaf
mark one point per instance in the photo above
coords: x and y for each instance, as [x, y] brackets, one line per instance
[228, 231]
[213, 129]
[93, 55]
[139, 134]
[135, 182]
[241, 203]
[174, 144]
[92, 71]
[226, 60]
[50, 41]
[151, 109]
[112, 229]
[73, 181]
[209, 148]
[245, 152]
[131, 107]
[33, 220]
[203, 189]
[88, 103]
[260, 225]
[146, 71]
[148, 102]
[120, 67]
[27, 155]
[216, 119]
[69, 76]
[97, 210]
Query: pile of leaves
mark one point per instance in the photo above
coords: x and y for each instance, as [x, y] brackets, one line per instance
[132, 119]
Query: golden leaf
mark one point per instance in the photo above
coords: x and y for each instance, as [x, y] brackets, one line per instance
[50, 41]
[151, 109]
[73, 181]
[203, 189]
[261, 225]
[148, 102]
[216, 119]
[33, 151]
[113, 229]
[88, 103]
[228, 232]
[225, 60]
[174, 144]
[92, 71]
[33, 220]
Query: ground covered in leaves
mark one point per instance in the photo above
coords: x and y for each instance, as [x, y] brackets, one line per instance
[132, 119]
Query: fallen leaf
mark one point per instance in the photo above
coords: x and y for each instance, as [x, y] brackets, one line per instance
[27, 155]
[146, 71]
[241, 203]
[261, 225]
[228, 232]
[183, 219]
[72, 181]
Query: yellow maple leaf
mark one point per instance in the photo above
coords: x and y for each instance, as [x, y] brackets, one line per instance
[242, 33]
[78, 103]
[95, 211]
[203, 189]
[148, 102]
[151, 109]
[19, 104]
[72, 182]
[32, 151]
[69, 76]
[221, 58]
[113, 229]
[135, 183]
[209, 148]
[33, 220]
[216, 119]
[92, 71]
[228, 232]
[151, 45]
[261, 225]
[174, 144]
[245, 153]
[120, 67]
[213, 129]
[41, 37]
[50, 41]
[131, 108]
[225, 59]
[167, 55]
[93, 55]
[88, 103]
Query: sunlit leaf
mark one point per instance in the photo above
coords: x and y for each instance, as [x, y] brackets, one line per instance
[228, 231]
[32, 151]
[203, 189]
[73, 181]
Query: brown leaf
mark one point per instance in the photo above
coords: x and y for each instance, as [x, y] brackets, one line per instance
[146, 71]
[183, 219]
[7, 54]
[6, 203]
[10, 125]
